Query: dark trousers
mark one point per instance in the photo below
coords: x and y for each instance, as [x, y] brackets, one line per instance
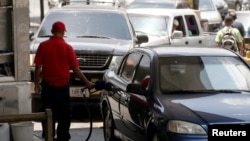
[58, 100]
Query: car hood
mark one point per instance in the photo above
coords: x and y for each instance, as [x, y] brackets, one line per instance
[211, 16]
[209, 109]
[92, 44]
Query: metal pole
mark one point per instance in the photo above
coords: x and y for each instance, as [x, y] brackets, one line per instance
[41, 10]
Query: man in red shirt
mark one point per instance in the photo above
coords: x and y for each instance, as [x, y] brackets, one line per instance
[53, 62]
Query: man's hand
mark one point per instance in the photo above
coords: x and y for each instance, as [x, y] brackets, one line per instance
[90, 85]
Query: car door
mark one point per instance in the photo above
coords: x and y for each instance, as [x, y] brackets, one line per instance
[192, 30]
[125, 76]
[134, 106]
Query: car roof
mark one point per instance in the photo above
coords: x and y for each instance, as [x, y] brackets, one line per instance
[88, 7]
[187, 51]
[160, 11]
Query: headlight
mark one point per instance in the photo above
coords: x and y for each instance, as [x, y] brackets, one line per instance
[184, 127]
[32, 57]
[115, 61]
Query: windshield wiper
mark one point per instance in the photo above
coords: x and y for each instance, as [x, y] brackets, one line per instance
[92, 36]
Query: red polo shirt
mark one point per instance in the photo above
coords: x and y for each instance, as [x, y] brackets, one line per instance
[57, 58]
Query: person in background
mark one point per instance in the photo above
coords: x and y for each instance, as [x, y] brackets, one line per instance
[175, 25]
[237, 24]
[53, 62]
[228, 21]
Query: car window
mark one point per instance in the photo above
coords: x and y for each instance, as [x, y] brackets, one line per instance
[129, 66]
[181, 26]
[152, 25]
[204, 5]
[193, 29]
[143, 70]
[203, 73]
[83, 23]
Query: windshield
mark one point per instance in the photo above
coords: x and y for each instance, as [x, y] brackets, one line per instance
[206, 5]
[203, 73]
[151, 25]
[83, 23]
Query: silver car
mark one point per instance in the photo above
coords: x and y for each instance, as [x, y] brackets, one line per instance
[209, 11]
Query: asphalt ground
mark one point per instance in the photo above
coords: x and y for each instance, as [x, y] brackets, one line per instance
[78, 131]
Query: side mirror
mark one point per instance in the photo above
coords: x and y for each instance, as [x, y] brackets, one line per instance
[135, 88]
[142, 38]
[177, 34]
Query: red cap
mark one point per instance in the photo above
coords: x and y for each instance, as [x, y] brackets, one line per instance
[58, 26]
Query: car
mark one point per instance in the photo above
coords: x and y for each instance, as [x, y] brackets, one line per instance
[209, 11]
[157, 24]
[176, 93]
[234, 4]
[169, 4]
[99, 35]
[222, 7]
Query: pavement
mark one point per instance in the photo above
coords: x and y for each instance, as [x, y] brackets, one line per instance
[78, 131]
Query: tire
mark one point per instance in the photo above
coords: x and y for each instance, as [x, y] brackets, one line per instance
[108, 125]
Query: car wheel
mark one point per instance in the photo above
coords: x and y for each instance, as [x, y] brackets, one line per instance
[237, 7]
[108, 126]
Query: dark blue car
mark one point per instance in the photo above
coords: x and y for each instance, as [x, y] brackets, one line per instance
[177, 94]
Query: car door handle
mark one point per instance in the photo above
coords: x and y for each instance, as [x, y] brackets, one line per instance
[186, 42]
[200, 41]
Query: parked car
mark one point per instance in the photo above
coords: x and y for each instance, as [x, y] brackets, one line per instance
[222, 7]
[157, 23]
[234, 4]
[169, 4]
[209, 11]
[99, 35]
[176, 93]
